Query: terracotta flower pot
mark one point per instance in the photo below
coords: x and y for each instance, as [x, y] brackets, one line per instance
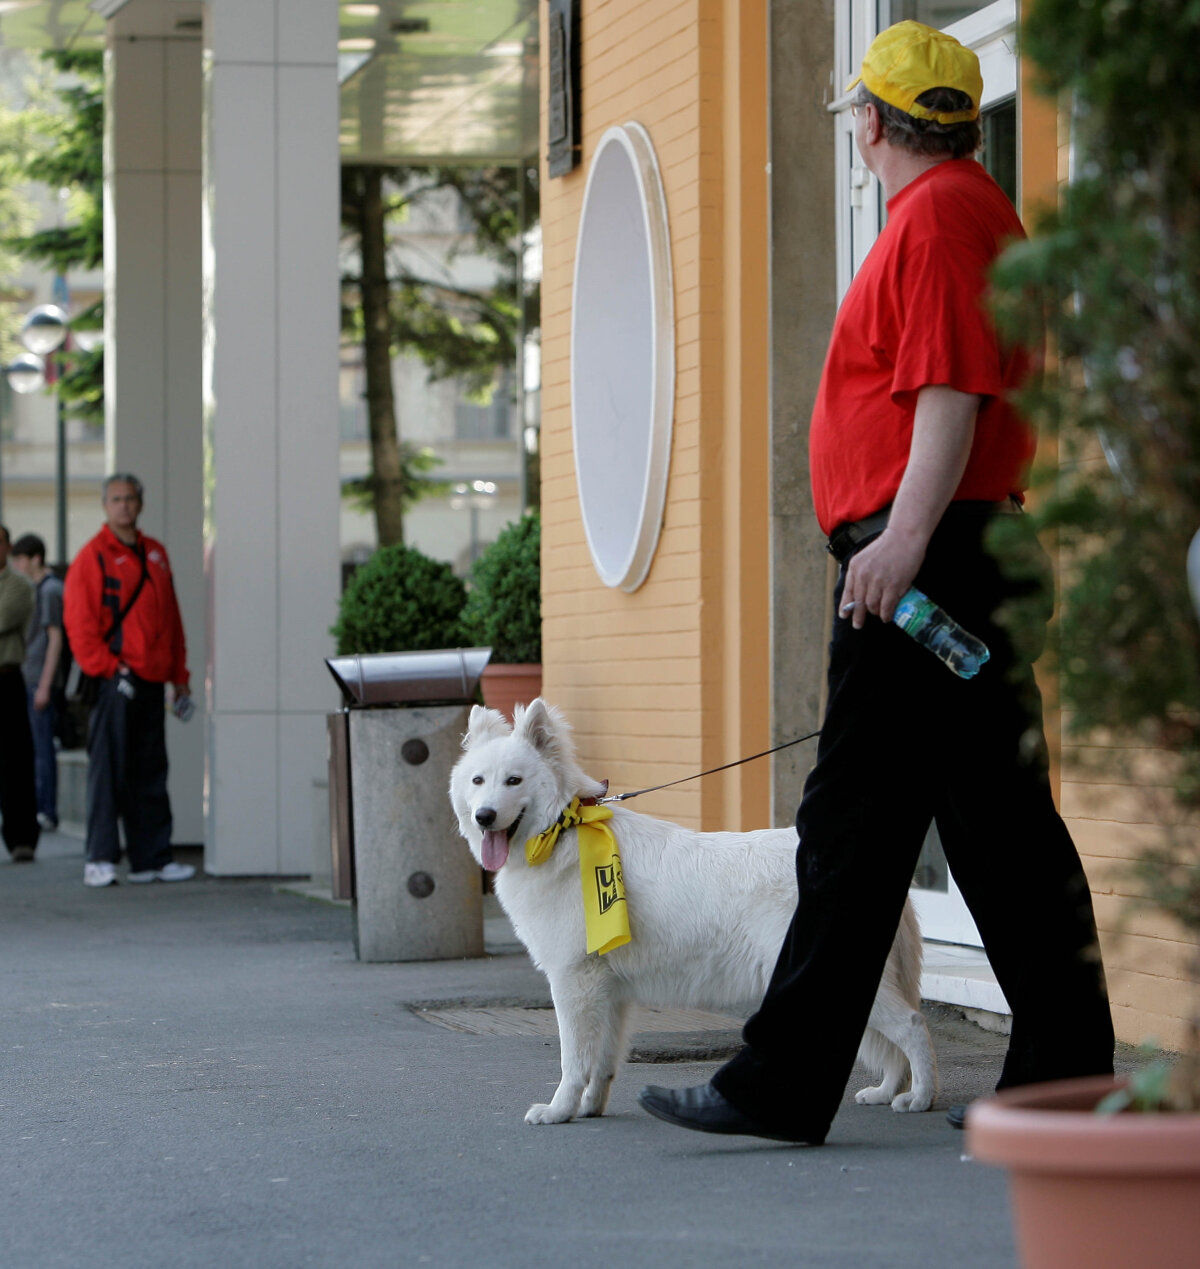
[507, 685]
[1101, 1191]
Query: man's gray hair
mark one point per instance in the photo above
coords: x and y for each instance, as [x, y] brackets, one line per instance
[926, 136]
[123, 478]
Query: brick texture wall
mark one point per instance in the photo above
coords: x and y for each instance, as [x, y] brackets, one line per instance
[672, 678]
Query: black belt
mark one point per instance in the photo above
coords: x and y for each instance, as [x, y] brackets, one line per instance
[847, 538]
[10, 669]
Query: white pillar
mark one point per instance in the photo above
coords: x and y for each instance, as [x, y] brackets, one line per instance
[153, 330]
[271, 422]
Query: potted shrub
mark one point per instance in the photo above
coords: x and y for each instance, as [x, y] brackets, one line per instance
[1113, 273]
[504, 612]
[400, 601]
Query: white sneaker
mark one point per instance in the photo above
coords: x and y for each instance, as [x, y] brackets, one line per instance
[101, 874]
[168, 872]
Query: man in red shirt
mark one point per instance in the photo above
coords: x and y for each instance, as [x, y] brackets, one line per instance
[915, 451]
[124, 627]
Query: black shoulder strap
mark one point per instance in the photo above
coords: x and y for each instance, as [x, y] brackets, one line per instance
[140, 551]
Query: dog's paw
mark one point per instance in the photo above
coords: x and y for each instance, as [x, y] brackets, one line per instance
[876, 1096]
[910, 1101]
[545, 1115]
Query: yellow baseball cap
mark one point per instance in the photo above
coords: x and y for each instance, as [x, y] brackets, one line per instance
[909, 59]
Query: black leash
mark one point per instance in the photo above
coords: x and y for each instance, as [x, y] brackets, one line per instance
[624, 797]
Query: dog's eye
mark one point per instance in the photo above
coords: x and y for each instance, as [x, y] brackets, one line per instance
[513, 780]
[477, 779]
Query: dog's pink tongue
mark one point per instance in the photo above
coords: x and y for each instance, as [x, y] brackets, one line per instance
[494, 850]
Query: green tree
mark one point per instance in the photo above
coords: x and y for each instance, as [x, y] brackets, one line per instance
[1113, 274]
[457, 332]
[61, 146]
[17, 217]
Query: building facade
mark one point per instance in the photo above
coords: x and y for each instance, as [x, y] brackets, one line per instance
[719, 652]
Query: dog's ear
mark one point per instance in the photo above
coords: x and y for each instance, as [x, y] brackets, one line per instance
[539, 724]
[485, 724]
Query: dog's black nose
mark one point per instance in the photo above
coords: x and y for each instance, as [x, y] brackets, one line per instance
[485, 817]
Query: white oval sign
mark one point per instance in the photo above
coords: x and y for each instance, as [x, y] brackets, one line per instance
[623, 357]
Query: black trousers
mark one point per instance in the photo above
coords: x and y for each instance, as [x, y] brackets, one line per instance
[904, 742]
[127, 776]
[18, 799]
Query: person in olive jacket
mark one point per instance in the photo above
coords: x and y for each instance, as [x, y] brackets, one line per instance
[125, 630]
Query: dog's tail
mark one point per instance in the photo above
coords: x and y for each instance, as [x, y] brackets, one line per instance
[899, 995]
[909, 957]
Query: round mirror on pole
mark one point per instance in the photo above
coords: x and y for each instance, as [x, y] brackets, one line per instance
[87, 340]
[45, 329]
[25, 373]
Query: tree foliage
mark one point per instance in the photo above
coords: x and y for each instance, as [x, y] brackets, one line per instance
[1113, 274]
[504, 603]
[458, 332]
[61, 145]
[17, 217]
[400, 601]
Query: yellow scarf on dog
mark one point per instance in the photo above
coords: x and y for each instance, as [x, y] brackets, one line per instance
[605, 912]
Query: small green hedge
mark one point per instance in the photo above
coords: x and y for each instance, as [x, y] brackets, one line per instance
[504, 604]
[400, 601]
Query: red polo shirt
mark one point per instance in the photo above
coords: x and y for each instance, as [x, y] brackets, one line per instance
[915, 316]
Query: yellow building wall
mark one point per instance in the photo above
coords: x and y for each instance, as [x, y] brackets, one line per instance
[1114, 796]
[672, 679]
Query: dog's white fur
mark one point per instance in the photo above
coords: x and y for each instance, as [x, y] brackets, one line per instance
[707, 911]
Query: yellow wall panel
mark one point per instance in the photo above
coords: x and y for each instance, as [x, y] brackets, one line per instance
[647, 679]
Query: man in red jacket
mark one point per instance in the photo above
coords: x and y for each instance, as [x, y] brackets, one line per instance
[124, 627]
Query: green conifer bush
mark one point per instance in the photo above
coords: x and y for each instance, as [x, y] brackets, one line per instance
[1112, 274]
[400, 601]
[504, 604]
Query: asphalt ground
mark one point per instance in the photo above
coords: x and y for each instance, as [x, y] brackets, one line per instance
[203, 1074]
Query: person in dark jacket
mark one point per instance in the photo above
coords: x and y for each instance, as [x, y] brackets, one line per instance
[18, 805]
[125, 630]
[43, 656]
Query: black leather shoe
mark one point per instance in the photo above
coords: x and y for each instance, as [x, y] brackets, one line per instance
[956, 1116]
[703, 1109]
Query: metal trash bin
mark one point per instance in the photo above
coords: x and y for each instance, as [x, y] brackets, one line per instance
[395, 847]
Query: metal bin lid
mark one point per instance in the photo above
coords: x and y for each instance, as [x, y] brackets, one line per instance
[447, 675]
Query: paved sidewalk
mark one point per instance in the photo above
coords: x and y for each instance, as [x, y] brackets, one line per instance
[203, 1074]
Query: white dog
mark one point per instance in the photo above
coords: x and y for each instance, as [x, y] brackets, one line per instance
[708, 913]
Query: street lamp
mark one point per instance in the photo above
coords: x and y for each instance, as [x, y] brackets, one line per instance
[475, 496]
[44, 330]
[43, 333]
[25, 373]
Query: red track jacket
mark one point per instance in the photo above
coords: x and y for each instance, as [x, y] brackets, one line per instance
[100, 581]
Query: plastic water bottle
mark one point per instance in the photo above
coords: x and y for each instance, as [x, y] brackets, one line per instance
[919, 617]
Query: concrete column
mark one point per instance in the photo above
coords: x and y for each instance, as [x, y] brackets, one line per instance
[271, 422]
[153, 327]
[803, 303]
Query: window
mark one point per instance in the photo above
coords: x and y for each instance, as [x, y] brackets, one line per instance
[990, 29]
